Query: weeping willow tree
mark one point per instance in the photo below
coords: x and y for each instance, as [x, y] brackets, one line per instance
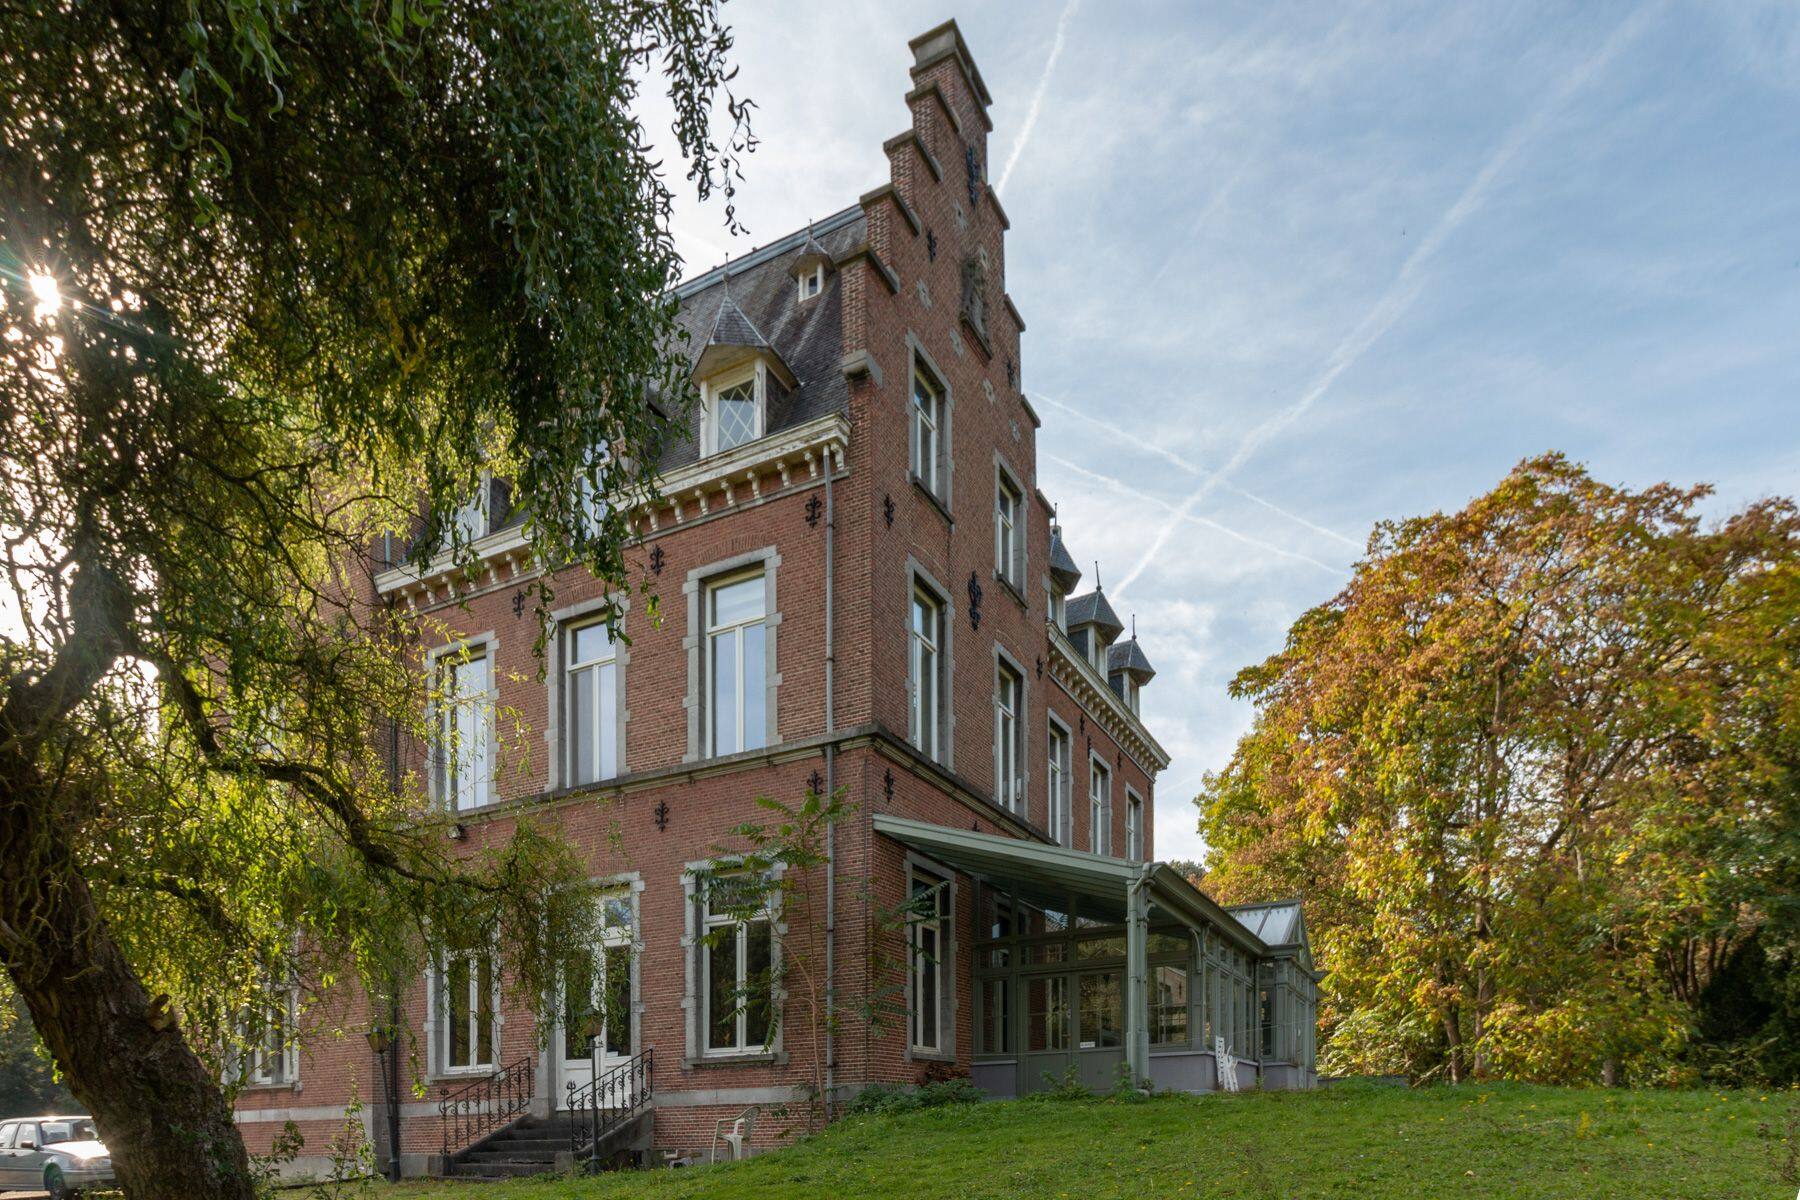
[276, 278]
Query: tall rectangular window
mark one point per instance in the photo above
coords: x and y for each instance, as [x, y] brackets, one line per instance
[1009, 548]
[736, 968]
[466, 1010]
[927, 431]
[736, 665]
[1059, 818]
[931, 907]
[273, 1053]
[1134, 826]
[1099, 807]
[1009, 783]
[591, 704]
[925, 672]
[464, 684]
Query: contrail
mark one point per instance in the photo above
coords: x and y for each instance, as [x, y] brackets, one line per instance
[1407, 284]
[1037, 97]
[1139, 443]
[1121, 489]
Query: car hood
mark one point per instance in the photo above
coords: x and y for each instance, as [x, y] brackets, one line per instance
[78, 1149]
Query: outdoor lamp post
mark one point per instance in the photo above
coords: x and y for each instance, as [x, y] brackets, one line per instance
[381, 1043]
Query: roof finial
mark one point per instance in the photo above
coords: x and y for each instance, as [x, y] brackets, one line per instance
[1134, 627]
[1097, 586]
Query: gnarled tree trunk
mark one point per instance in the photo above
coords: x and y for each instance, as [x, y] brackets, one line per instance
[161, 1113]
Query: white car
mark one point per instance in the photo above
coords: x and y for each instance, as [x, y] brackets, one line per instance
[58, 1154]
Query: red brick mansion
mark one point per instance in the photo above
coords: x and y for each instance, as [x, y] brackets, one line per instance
[863, 590]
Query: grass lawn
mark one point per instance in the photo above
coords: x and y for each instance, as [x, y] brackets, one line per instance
[1353, 1140]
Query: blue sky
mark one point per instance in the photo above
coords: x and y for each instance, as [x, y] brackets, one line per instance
[1289, 269]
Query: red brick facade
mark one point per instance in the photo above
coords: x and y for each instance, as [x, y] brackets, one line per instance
[899, 294]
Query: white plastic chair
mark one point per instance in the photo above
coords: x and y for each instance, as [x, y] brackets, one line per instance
[735, 1133]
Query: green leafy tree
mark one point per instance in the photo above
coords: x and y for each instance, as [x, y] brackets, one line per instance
[1534, 770]
[278, 279]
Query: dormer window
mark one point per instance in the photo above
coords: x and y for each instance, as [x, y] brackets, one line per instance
[812, 282]
[734, 410]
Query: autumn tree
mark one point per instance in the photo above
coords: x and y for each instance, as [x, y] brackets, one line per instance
[1535, 771]
[278, 279]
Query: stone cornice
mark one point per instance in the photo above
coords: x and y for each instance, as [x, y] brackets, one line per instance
[1081, 681]
[739, 477]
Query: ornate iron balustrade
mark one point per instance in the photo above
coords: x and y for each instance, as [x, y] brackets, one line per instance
[473, 1111]
[605, 1103]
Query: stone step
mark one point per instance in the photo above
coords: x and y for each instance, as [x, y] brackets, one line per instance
[527, 1145]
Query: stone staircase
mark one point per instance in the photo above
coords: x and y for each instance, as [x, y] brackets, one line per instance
[540, 1146]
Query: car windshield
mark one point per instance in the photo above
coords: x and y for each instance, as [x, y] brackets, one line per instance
[77, 1130]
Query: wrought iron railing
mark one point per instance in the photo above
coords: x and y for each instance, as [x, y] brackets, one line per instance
[473, 1111]
[605, 1103]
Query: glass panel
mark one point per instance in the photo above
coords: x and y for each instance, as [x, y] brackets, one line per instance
[581, 726]
[721, 995]
[1168, 999]
[1037, 953]
[484, 1010]
[590, 642]
[456, 1012]
[996, 1014]
[1100, 1011]
[733, 603]
[756, 699]
[1106, 947]
[606, 689]
[736, 408]
[618, 1000]
[758, 959]
[578, 1003]
[723, 700]
[1165, 943]
[1047, 1013]
[925, 985]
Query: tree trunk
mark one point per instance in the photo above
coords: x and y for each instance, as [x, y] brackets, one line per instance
[161, 1113]
[1453, 1044]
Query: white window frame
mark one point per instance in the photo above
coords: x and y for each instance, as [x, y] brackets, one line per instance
[1134, 825]
[478, 750]
[757, 375]
[936, 963]
[928, 429]
[1058, 607]
[736, 630]
[603, 730]
[926, 714]
[1009, 529]
[812, 283]
[275, 1063]
[1059, 813]
[707, 922]
[1009, 740]
[440, 1012]
[1099, 806]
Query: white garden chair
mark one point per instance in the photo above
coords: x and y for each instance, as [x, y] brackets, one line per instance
[734, 1132]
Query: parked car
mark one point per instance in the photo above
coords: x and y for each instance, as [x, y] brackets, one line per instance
[61, 1155]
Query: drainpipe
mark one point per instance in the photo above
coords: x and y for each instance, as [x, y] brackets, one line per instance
[830, 827]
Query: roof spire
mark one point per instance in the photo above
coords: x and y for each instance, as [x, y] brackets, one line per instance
[1134, 627]
[1097, 585]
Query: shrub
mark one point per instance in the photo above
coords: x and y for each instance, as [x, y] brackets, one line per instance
[898, 1098]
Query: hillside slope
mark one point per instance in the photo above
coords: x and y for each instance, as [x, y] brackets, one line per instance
[1363, 1141]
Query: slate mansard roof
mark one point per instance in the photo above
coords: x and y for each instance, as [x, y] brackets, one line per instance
[807, 336]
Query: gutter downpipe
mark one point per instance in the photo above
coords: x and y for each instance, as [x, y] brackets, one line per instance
[830, 826]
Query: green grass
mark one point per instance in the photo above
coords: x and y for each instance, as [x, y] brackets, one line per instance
[1362, 1141]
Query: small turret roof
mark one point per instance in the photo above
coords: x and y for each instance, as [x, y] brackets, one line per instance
[1129, 657]
[1091, 608]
